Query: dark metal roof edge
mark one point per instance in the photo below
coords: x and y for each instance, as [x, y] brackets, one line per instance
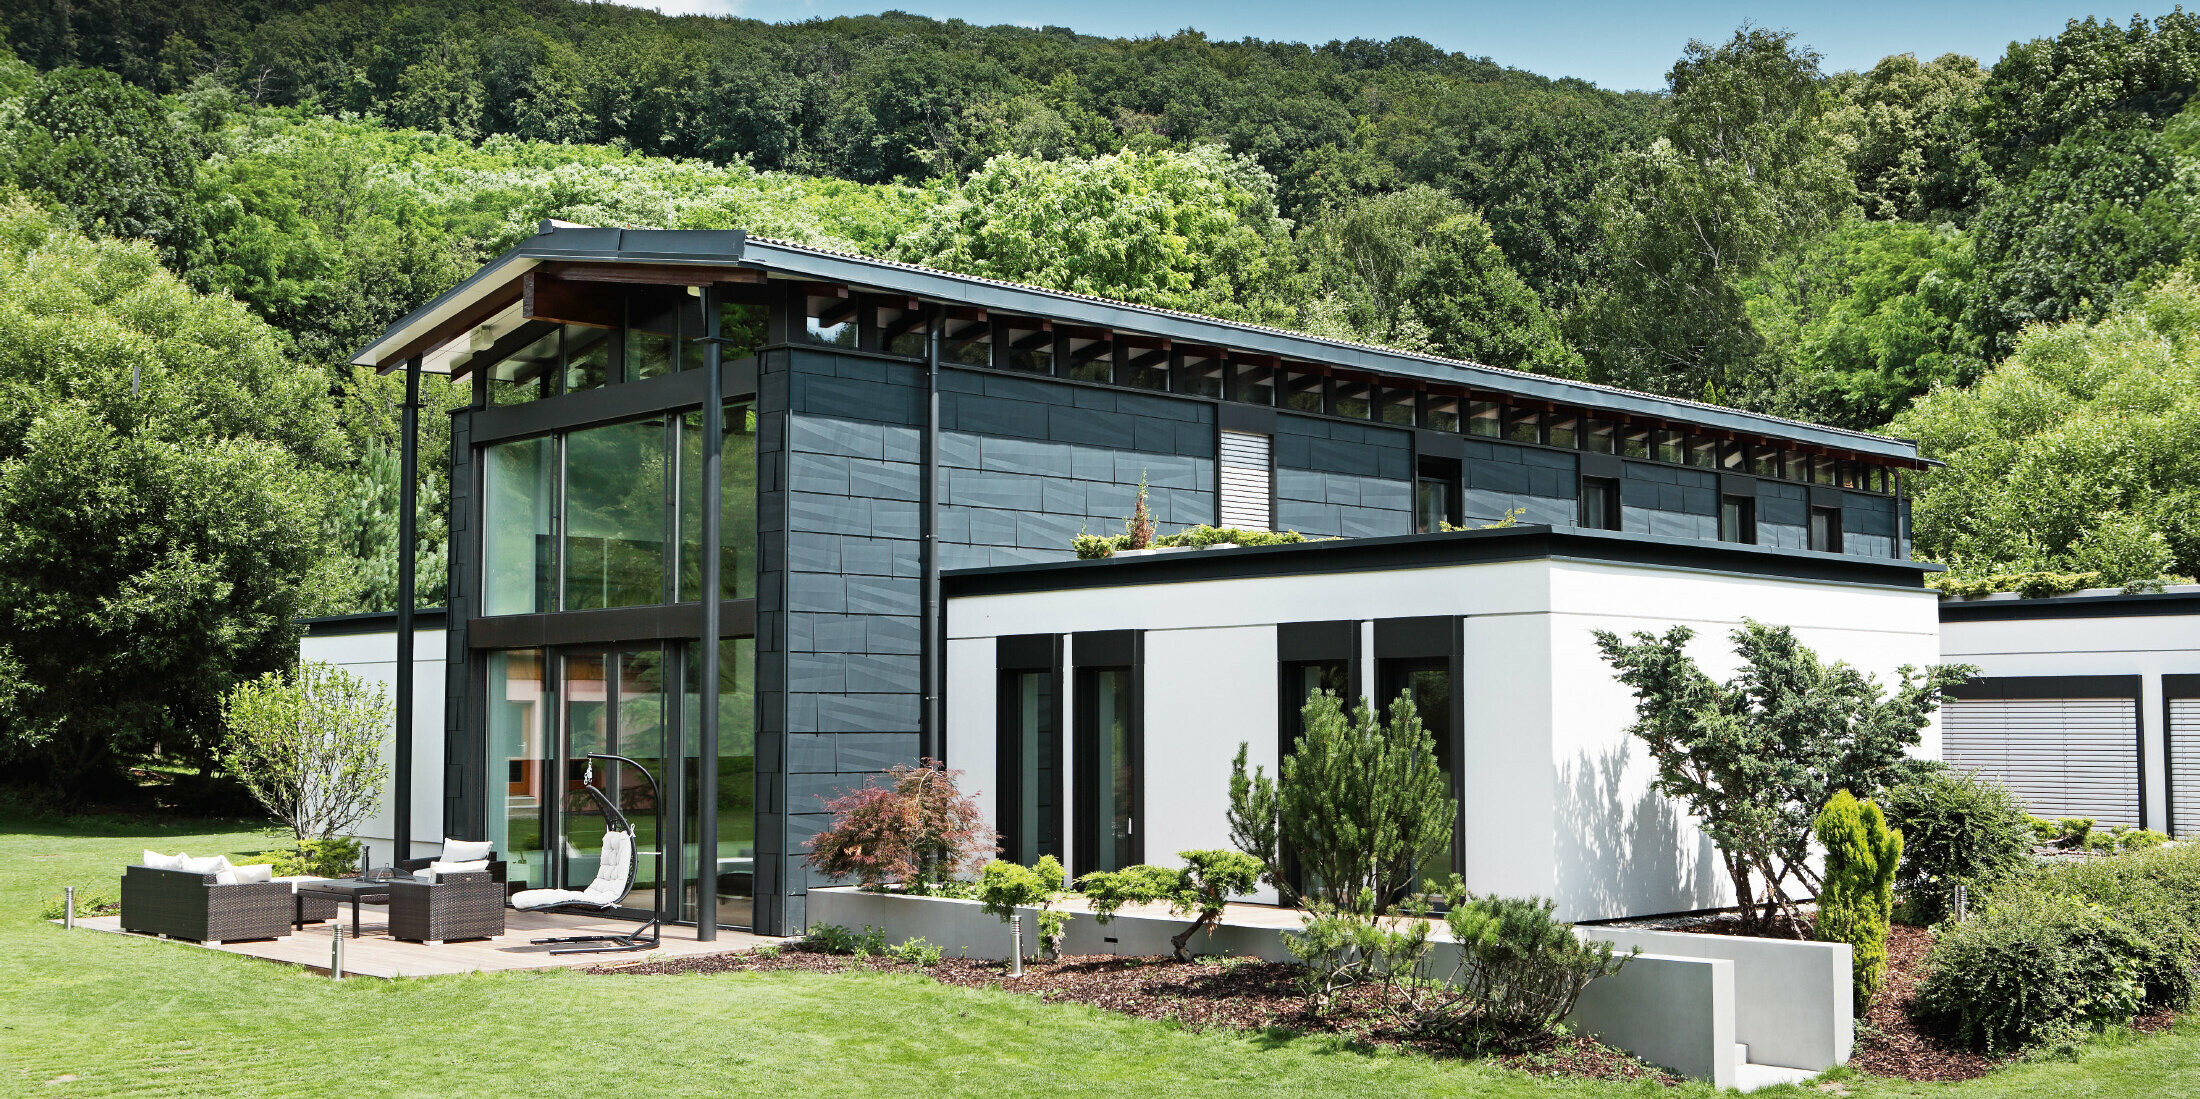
[1517, 543]
[2136, 605]
[340, 625]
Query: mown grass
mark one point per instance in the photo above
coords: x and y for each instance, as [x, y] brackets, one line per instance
[87, 1014]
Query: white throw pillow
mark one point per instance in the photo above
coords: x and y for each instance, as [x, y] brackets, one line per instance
[471, 866]
[226, 876]
[261, 872]
[158, 861]
[465, 850]
[208, 864]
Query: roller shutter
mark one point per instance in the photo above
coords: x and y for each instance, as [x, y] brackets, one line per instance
[1245, 480]
[2184, 765]
[2063, 757]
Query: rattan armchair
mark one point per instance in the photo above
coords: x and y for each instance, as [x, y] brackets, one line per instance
[454, 906]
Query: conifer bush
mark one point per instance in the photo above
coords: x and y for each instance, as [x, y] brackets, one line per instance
[1857, 901]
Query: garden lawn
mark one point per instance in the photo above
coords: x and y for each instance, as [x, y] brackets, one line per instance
[94, 1014]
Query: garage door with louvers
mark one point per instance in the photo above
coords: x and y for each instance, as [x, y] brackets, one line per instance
[2184, 765]
[2063, 757]
[1245, 480]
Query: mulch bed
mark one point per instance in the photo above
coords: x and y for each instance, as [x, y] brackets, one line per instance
[1230, 994]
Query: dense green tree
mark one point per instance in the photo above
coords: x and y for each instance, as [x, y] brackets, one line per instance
[1747, 168]
[1913, 154]
[2076, 453]
[1863, 320]
[109, 153]
[160, 463]
[2095, 71]
[1195, 230]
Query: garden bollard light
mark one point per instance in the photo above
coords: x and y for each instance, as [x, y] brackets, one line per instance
[336, 951]
[68, 907]
[1016, 945]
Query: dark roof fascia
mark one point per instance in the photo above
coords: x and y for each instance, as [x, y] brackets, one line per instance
[983, 293]
[344, 625]
[1418, 551]
[2140, 605]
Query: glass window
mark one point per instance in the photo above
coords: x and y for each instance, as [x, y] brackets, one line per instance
[1029, 778]
[1144, 368]
[1031, 349]
[1668, 445]
[1600, 437]
[1825, 530]
[1303, 391]
[1764, 461]
[587, 357]
[901, 327]
[1737, 519]
[1848, 475]
[830, 319]
[1634, 442]
[1794, 465]
[1089, 360]
[1199, 374]
[737, 505]
[520, 767]
[1440, 412]
[1562, 429]
[1733, 456]
[1107, 802]
[1399, 405]
[653, 330]
[743, 325]
[615, 515]
[731, 858]
[518, 547]
[1703, 451]
[1351, 398]
[1599, 509]
[1428, 681]
[1253, 383]
[1436, 495]
[966, 341]
[1484, 418]
[1823, 470]
[1523, 425]
[524, 374]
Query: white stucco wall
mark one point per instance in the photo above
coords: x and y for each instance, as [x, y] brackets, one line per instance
[2147, 646]
[373, 656]
[1557, 798]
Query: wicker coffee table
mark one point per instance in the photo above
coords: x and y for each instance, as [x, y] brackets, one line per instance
[353, 888]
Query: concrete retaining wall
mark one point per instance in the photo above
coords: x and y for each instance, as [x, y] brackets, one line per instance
[1794, 1003]
[1679, 1004]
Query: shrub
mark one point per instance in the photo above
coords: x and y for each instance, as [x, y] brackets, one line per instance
[2155, 892]
[1857, 901]
[917, 829]
[1362, 805]
[1957, 830]
[1199, 889]
[1003, 887]
[917, 952]
[832, 938]
[2139, 839]
[1520, 972]
[1094, 546]
[1353, 945]
[89, 903]
[2029, 967]
[327, 858]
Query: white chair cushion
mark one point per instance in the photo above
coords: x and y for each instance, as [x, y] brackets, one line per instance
[226, 876]
[207, 864]
[465, 850]
[609, 886]
[259, 872]
[439, 868]
[528, 899]
[158, 861]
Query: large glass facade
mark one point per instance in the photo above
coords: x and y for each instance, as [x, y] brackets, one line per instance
[519, 765]
[519, 561]
[615, 515]
[727, 863]
[736, 504]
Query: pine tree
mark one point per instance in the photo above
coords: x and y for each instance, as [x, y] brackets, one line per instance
[1857, 902]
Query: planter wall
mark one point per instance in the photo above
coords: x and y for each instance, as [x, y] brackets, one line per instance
[1685, 1003]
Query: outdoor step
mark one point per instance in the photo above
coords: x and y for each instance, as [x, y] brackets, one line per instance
[1748, 1077]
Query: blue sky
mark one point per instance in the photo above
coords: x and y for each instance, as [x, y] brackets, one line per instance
[1617, 45]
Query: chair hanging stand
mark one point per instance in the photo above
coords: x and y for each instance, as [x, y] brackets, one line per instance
[612, 883]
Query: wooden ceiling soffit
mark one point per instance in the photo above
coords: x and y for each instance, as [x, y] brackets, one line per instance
[655, 274]
[546, 298]
[460, 323]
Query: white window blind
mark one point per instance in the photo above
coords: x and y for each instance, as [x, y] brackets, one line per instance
[1245, 480]
[2065, 757]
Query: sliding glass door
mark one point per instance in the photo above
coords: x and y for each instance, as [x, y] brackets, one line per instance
[1107, 770]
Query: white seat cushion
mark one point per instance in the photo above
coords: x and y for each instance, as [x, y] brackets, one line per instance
[437, 869]
[610, 884]
[259, 872]
[158, 861]
[465, 850]
[206, 864]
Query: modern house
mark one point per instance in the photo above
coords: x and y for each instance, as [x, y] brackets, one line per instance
[770, 518]
[2087, 705]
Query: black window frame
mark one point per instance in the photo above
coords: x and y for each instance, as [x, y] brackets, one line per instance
[1609, 519]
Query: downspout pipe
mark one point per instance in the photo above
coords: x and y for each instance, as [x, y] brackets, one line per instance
[931, 737]
[408, 506]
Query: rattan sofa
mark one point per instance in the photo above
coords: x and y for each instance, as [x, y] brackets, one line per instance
[455, 906]
[184, 905]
